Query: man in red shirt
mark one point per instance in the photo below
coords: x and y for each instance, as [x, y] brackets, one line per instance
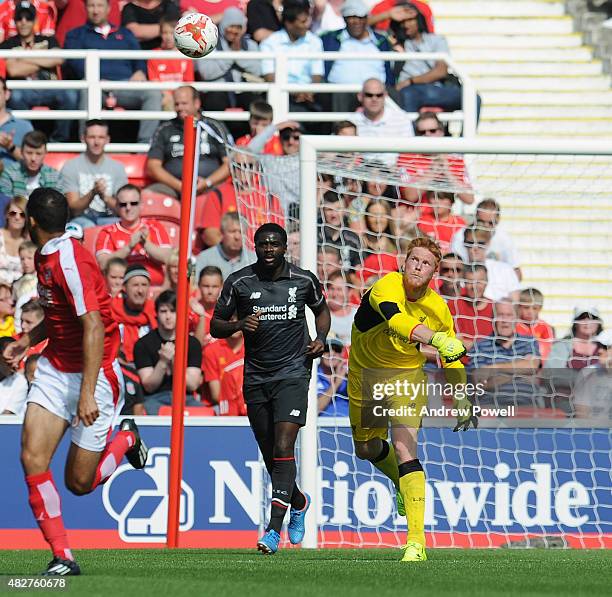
[473, 313]
[78, 381]
[46, 18]
[210, 283]
[441, 224]
[138, 242]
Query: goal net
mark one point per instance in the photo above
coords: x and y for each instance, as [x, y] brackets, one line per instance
[536, 476]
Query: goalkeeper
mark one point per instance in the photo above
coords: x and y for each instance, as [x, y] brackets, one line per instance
[396, 315]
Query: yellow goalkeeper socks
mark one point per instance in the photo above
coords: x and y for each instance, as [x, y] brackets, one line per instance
[412, 488]
[386, 463]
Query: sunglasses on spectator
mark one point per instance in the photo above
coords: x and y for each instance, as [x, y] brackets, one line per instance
[335, 348]
[427, 131]
[15, 214]
[290, 136]
[130, 203]
[26, 16]
[371, 95]
[469, 244]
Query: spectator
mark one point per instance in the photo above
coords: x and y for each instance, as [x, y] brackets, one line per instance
[73, 13]
[99, 34]
[229, 255]
[427, 171]
[422, 82]
[232, 38]
[213, 8]
[501, 247]
[29, 173]
[231, 401]
[143, 19]
[210, 283]
[355, 37]
[502, 280]
[395, 11]
[332, 388]
[342, 312]
[26, 287]
[281, 174]
[11, 237]
[165, 157]
[179, 70]
[39, 69]
[154, 358]
[32, 314]
[344, 128]
[506, 361]
[133, 310]
[114, 271]
[131, 238]
[92, 179]
[473, 313]
[7, 321]
[578, 349]
[530, 305]
[333, 232]
[13, 387]
[219, 359]
[293, 38]
[377, 120]
[378, 236]
[260, 117]
[12, 129]
[29, 369]
[329, 263]
[593, 389]
[441, 225]
[450, 278]
[263, 18]
[45, 25]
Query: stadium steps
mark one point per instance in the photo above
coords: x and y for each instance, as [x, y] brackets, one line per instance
[538, 79]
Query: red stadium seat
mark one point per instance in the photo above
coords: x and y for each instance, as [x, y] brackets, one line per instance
[90, 236]
[160, 207]
[135, 167]
[57, 160]
[190, 411]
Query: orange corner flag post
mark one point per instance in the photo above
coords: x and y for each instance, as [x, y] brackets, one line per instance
[179, 389]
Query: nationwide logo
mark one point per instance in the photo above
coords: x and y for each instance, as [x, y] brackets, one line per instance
[255, 295]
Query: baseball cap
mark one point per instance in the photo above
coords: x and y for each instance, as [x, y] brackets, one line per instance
[296, 127]
[354, 8]
[604, 338]
[75, 230]
[582, 309]
[334, 344]
[27, 7]
[136, 270]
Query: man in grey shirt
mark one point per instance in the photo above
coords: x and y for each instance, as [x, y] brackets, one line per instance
[229, 255]
[422, 82]
[92, 179]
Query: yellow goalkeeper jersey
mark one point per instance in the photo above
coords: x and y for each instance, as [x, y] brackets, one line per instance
[380, 336]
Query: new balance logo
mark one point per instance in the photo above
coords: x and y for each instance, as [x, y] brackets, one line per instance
[294, 413]
[255, 295]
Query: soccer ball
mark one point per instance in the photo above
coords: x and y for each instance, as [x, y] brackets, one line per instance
[195, 35]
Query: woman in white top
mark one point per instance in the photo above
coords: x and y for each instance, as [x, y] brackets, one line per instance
[11, 236]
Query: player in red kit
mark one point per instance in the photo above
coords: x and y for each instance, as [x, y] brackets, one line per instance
[78, 383]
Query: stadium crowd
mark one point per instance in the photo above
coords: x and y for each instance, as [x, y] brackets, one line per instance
[128, 216]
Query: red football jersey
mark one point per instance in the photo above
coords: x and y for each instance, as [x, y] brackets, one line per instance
[115, 236]
[272, 147]
[469, 322]
[71, 284]
[540, 330]
[159, 69]
[231, 396]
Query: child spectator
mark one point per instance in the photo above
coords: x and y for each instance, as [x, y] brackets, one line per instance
[26, 287]
[220, 359]
[342, 312]
[261, 116]
[13, 387]
[160, 69]
[114, 271]
[441, 225]
[7, 322]
[32, 314]
[530, 304]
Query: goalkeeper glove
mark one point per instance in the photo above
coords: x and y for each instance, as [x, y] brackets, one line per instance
[466, 415]
[450, 348]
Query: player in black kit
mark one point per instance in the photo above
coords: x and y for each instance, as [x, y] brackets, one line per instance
[269, 299]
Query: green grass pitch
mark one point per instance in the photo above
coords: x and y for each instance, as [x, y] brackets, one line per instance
[330, 573]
